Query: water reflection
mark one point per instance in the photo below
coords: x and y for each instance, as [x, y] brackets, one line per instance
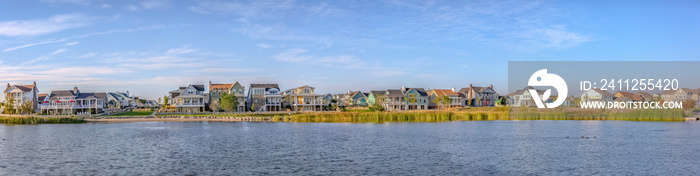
[450, 148]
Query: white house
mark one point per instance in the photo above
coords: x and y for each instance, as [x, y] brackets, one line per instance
[21, 94]
[596, 95]
[264, 97]
[73, 101]
[190, 99]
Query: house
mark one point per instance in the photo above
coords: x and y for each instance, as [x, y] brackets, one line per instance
[416, 98]
[668, 95]
[190, 99]
[340, 99]
[680, 95]
[303, 98]
[22, 94]
[42, 97]
[394, 100]
[327, 99]
[457, 99]
[67, 102]
[596, 95]
[264, 97]
[646, 96]
[480, 96]
[356, 98]
[120, 100]
[217, 90]
[630, 96]
[523, 97]
[375, 96]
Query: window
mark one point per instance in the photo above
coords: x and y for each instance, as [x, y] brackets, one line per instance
[306, 90]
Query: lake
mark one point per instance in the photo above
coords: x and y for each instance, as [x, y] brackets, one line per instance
[266, 148]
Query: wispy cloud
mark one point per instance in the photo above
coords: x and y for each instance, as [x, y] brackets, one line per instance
[44, 26]
[149, 5]
[72, 43]
[183, 50]
[262, 8]
[78, 2]
[264, 45]
[293, 55]
[83, 36]
[44, 57]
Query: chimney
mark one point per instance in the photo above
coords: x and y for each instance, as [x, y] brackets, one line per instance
[491, 86]
[34, 94]
[75, 89]
[8, 85]
[453, 89]
[127, 93]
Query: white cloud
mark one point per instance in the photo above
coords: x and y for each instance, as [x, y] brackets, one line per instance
[44, 57]
[78, 2]
[87, 55]
[83, 36]
[388, 72]
[58, 51]
[44, 26]
[149, 5]
[155, 4]
[72, 43]
[106, 6]
[183, 50]
[292, 55]
[262, 8]
[131, 7]
[264, 45]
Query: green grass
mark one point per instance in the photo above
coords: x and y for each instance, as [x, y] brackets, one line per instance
[133, 113]
[632, 115]
[383, 117]
[227, 115]
[40, 120]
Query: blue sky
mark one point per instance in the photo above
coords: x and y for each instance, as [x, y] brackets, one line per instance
[153, 46]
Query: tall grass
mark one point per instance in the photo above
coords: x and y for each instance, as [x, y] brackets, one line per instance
[40, 120]
[632, 115]
[383, 117]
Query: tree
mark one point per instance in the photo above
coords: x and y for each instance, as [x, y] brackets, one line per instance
[214, 106]
[378, 103]
[158, 99]
[412, 99]
[10, 105]
[26, 107]
[165, 100]
[478, 101]
[228, 102]
[446, 100]
[437, 101]
[688, 104]
[469, 102]
[504, 101]
[252, 108]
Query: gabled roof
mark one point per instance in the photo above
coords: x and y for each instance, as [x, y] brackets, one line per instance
[645, 95]
[42, 96]
[23, 88]
[394, 93]
[377, 92]
[199, 87]
[691, 91]
[631, 96]
[445, 92]
[602, 92]
[264, 86]
[221, 86]
[668, 92]
[420, 91]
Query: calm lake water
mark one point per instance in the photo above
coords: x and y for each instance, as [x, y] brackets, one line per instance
[449, 148]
